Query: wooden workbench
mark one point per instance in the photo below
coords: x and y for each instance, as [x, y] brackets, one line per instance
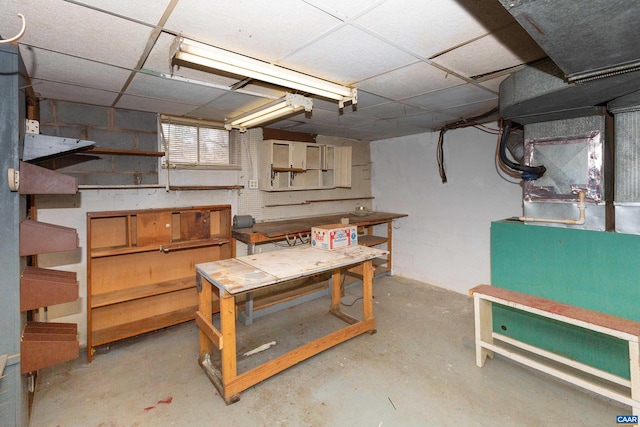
[232, 277]
[297, 230]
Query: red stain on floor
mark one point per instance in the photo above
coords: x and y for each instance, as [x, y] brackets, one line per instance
[167, 401]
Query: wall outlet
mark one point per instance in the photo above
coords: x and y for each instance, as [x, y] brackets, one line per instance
[253, 184]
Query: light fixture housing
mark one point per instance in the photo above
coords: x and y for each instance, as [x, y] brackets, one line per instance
[188, 53]
[288, 104]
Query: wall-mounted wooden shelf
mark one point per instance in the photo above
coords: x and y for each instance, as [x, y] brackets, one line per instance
[45, 344]
[40, 237]
[37, 180]
[141, 274]
[41, 287]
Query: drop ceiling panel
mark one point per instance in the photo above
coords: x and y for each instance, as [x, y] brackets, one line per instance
[149, 11]
[171, 90]
[68, 92]
[472, 110]
[42, 63]
[334, 57]
[64, 27]
[507, 48]
[412, 80]
[161, 106]
[425, 27]
[265, 30]
[345, 9]
[449, 98]
[388, 110]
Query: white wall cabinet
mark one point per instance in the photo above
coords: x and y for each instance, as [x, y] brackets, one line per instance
[293, 165]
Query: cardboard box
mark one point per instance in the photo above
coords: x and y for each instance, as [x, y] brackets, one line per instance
[334, 236]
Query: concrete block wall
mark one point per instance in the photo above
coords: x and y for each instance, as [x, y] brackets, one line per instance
[109, 128]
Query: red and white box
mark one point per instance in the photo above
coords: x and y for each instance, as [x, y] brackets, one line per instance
[334, 236]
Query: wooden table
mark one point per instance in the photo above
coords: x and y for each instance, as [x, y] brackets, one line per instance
[233, 277]
[298, 229]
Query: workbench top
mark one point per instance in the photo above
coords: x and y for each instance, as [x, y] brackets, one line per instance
[276, 230]
[250, 272]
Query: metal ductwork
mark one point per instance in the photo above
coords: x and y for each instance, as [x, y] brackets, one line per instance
[593, 58]
[587, 39]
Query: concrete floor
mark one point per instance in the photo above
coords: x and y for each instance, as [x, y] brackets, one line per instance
[417, 370]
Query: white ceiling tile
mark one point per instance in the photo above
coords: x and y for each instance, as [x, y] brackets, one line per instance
[67, 92]
[160, 106]
[345, 9]
[452, 97]
[472, 110]
[507, 48]
[45, 64]
[64, 27]
[151, 86]
[266, 30]
[347, 55]
[414, 79]
[494, 83]
[389, 110]
[149, 11]
[429, 27]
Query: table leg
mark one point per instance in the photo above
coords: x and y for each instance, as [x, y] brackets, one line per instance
[389, 247]
[246, 317]
[228, 353]
[205, 308]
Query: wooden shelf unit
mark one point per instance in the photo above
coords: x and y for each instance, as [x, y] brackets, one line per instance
[141, 274]
[44, 344]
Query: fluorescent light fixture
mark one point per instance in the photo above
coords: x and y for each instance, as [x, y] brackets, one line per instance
[284, 106]
[185, 52]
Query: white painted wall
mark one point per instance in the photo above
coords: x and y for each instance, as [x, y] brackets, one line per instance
[445, 239]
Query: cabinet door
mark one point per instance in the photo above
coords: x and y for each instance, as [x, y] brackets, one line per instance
[153, 228]
[298, 155]
[343, 166]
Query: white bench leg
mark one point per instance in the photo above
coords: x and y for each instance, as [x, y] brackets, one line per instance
[634, 368]
[484, 328]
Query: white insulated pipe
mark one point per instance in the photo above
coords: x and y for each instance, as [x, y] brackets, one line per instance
[582, 206]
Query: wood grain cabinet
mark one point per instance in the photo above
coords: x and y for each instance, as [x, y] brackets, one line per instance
[141, 274]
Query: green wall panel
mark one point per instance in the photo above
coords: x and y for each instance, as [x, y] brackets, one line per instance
[596, 270]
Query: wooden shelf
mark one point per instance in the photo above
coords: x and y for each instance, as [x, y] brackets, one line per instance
[45, 344]
[124, 250]
[117, 152]
[295, 170]
[193, 244]
[38, 180]
[370, 240]
[40, 287]
[39, 238]
[114, 297]
[126, 330]
[141, 274]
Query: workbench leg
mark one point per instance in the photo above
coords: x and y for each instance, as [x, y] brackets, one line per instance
[205, 308]
[246, 317]
[389, 247]
[228, 331]
[367, 292]
[336, 292]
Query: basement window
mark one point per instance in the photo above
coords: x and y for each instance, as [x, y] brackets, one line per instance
[192, 144]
